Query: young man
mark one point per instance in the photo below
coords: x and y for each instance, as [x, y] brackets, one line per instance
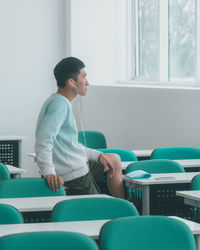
[61, 159]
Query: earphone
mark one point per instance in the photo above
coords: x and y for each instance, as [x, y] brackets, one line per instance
[75, 87]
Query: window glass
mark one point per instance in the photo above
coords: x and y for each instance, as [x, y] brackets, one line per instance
[182, 47]
[148, 39]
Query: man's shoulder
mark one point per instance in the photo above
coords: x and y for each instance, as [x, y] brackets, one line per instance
[57, 99]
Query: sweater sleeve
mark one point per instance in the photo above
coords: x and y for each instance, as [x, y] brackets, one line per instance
[51, 122]
[92, 154]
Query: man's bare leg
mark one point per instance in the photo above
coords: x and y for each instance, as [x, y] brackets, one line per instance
[115, 183]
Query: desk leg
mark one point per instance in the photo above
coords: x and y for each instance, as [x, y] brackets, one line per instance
[145, 200]
[197, 240]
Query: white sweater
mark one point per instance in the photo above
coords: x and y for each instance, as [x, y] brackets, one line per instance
[57, 148]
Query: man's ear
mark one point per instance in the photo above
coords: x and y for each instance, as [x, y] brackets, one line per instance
[69, 83]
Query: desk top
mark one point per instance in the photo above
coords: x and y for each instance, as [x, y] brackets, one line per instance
[190, 194]
[15, 170]
[169, 178]
[143, 152]
[194, 227]
[42, 203]
[12, 138]
[90, 228]
[191, 163]
[32, 155]
[126, 163]
[138, 153]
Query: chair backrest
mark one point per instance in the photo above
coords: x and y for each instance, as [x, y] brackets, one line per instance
[27, 187]
[4, 172]
[125, 155]
[93, 208]
[94, 139]
[156, 166]
[146, 233]
[47, 240]
[10, 215]
[176, 153]
[195, 183]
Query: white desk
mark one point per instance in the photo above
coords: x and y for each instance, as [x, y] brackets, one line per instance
[15, 171]
[140, 154]
[143, 153]
[126, 163]
[33, 155]
[90, 228]
[144, 184]
[36, 204]
[192, 163]
[194, 227]
[146, 153]
[191, 197]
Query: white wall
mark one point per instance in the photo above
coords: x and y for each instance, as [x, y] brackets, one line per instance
[31, 44]
[143, 118]
[98, 37]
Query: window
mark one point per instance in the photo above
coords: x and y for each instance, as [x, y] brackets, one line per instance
[166, 41]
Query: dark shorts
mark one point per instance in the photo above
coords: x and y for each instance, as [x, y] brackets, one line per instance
[86, 184]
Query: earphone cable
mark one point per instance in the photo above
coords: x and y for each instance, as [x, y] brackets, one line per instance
[85, 142]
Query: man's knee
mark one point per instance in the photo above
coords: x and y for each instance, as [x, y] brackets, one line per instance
[116, 161]
[115, 158]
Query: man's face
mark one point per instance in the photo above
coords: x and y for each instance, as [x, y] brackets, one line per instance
[82, 83]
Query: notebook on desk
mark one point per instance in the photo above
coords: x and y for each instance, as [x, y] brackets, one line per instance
[138, 174]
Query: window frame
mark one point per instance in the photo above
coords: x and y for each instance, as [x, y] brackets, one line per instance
[133, 47]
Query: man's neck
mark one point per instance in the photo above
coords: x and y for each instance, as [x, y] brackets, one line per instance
[68, 93]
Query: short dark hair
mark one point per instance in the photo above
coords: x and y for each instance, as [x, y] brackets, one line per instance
[67, 68]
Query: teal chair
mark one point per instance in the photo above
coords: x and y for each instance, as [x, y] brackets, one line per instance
[156, 166]
[10, 215]
[92, 139]
[176, 153]
[125, 155]
[195, 185]
[4, 172]
[99, 208]
[47, 240]
[146, 233]
[27, 187]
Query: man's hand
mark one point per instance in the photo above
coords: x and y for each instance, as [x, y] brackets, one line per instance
[54, 181]
[108, 165]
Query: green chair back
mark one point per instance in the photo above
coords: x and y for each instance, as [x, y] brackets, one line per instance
[125, 155]
[4, 172]
[94, 139]
[195, 183]
[156, 166]
[10, 215]
[27, 187]
[94, 208]
[146, 233]
[176, 153]
[47, 240]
